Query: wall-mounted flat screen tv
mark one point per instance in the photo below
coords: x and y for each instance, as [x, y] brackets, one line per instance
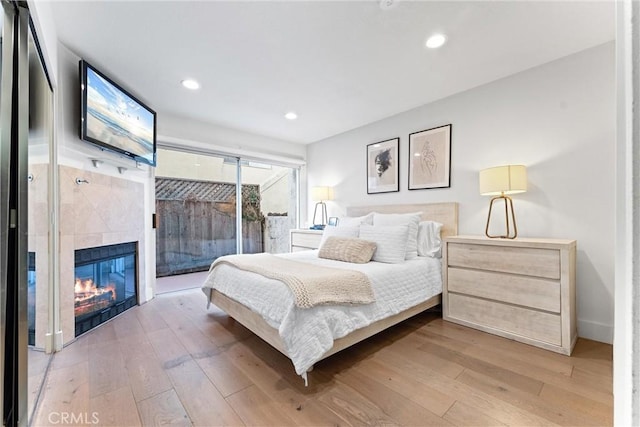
[115, 120]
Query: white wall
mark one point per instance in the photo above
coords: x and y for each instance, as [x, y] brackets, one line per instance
[180, 164]
[42, 18]
[173, 130]
[557, 119]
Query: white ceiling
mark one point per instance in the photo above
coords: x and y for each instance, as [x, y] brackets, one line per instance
[339, 65]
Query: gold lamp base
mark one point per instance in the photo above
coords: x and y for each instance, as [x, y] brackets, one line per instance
[508, 208]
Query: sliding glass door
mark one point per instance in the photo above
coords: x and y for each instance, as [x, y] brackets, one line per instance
[200, 217]
[269, 206]
[195, 211]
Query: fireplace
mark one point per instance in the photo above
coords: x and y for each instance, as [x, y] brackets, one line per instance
[105, 284]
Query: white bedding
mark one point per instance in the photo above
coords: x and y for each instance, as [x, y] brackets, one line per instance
[309, 333]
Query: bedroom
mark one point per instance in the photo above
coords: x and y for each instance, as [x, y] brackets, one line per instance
[557, 118]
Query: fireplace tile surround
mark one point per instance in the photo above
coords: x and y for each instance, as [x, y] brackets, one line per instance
[38, 243]
[104, 211]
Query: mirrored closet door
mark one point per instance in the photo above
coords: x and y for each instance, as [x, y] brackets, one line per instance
[40, 258]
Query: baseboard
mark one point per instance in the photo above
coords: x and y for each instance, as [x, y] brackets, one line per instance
[595, 331]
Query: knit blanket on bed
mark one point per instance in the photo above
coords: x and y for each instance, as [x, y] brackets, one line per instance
[310, 284]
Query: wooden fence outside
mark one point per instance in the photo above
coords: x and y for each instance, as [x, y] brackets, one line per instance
[192, 233]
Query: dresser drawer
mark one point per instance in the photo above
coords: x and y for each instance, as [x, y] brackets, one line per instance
[527, 261]
[526, 291]
[306, 240]
[531, 324]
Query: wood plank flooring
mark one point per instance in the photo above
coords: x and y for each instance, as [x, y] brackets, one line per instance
[172, 362]
[38, 362]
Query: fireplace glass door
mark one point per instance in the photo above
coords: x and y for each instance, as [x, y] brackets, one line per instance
[105, 284]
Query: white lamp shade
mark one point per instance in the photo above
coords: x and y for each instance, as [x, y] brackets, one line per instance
[319, 194]
[509, 179]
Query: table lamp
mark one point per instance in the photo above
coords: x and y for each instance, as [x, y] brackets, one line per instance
[319, 195]
[500, 181]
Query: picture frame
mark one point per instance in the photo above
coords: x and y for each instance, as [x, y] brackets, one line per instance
[430, 158]
[383, 166]
[333, 221]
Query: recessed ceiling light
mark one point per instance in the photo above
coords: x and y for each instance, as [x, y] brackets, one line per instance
[190, 84]
[291, 115]
[435, 41]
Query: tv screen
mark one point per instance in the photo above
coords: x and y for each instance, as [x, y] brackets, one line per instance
[115, 120]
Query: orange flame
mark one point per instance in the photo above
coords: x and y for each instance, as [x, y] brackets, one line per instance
[85, 289]
[89, 297]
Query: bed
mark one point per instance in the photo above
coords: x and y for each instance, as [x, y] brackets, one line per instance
[262, 304]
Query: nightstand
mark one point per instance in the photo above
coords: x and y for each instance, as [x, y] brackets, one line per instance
[304, 239]
[522, 289]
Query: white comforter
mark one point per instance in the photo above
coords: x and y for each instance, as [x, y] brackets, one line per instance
[309, 333]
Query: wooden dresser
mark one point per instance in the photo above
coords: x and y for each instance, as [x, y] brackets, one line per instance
[523, 289]
[304, 239]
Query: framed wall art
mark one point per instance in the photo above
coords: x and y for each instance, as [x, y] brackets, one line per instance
[430, 158]
[383, 168]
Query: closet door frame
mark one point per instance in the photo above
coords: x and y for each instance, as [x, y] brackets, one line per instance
[14, 128]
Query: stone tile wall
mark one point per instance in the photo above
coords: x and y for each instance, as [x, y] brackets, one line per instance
[105, 211]
[38, 242]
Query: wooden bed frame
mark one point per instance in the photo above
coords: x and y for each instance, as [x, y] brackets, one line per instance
[445, 213]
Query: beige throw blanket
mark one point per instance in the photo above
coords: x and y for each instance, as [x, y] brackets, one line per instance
[310, 284]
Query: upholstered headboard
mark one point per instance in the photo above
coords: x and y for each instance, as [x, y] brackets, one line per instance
[445, 213]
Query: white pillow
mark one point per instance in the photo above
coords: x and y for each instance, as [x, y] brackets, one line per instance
[411, 220]
[349, 221]
[391, 241]
[429, 241]
[347, 231]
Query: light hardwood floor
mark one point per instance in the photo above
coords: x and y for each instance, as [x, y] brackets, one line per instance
[37, 363]
[171, 361]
